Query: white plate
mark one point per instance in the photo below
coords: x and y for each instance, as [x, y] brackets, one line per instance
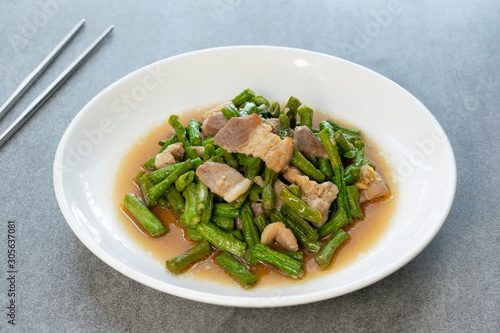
[416, 146]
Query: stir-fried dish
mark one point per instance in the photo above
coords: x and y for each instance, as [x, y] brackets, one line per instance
[257, 184]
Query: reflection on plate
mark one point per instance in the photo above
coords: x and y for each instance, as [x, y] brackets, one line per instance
[414, 142]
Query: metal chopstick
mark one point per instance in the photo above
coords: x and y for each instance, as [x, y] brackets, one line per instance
[50, 90]
[38, 71]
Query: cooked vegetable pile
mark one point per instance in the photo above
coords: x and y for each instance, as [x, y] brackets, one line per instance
[259, 184]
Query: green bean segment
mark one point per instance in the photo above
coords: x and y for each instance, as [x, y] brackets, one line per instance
[284, 262]
[331, 147]
[156, 191]
[291, 109]
[191, 217]
[197, 252]
[225, 210]
[144, 216]
[244, 96]
[180, 132]
[299, 255]
[338, 220]
[225, 223]
[176, 200]
[299, 206]
[261, 222]
[353, 198]
[236, 269]
[184, 180]
[306, 116]
[194, 132]
[284, 129]
[324, 256]
[230, 111]
[222, 240]
[301, 163]
[250, 231]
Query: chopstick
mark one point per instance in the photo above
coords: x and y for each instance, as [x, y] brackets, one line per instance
[38, 71]
[51, 89]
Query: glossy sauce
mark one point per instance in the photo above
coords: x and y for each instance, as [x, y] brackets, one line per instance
[363, 234]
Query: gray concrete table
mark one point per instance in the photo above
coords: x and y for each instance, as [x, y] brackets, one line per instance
[446, 53]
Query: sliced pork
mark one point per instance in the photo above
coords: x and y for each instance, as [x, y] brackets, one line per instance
[250, 136]
[368, 174]
[173, 154]
[275, 124]
[317, 196]
[256, 208]
[223, 180]
[307, 143]
[238, 223]
[371, 186]
[283, 236]
[277, 186]
[213, 120]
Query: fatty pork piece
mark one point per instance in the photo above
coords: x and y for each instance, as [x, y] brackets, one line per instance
[223, 180]
[256, 208]
[317, 196]
[249, 135]
[371, 186]
[283, 236]
[173, 154]
[213, 120]
[275, 124]
[277, 186]
[307, 143]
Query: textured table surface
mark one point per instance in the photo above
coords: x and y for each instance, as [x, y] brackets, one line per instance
[446, 53]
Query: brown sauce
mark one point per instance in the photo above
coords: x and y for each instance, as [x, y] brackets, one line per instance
[364, 234]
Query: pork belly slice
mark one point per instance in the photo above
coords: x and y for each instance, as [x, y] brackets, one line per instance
[371, 186]
[249, 135]
[256, 208]
[213, 120]
[223, 180]
[275, 124]
[283, 236]
[307, 143]
[173, 154]
[277, 186]
[317, 196]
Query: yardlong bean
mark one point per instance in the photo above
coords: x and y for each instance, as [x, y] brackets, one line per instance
[180, 132]
[324, 256]
[301, 163]
[292, 107]
[144, 216]
[287, 264]
[177, 264]
[250, 231]
[299, 206]
[221, 240]
[236, 269]
[156, 191]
